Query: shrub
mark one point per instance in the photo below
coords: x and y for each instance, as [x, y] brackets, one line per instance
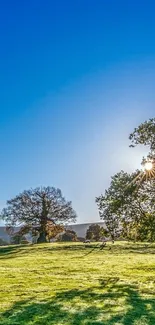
[69, 235]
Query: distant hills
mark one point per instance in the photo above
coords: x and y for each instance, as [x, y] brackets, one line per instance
[4, 235]
[81, 229]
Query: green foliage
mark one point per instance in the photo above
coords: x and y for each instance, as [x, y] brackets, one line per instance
[128, 207]
[69, 235]
[72, 284]
[95, 232]
[144, 134]
[110, 204]
[128, 210]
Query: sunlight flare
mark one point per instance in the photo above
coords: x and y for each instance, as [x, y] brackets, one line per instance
[148, 166]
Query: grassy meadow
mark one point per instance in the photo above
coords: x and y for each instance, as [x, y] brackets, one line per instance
[77, 284]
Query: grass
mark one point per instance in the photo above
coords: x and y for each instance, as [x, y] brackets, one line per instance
[77, 284]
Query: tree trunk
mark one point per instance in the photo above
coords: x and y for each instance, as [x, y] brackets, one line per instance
[42, 238]
[43, 229]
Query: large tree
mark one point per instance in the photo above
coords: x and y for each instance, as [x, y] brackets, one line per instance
[110, 204]
[128, 208]
[144, 134]
[129, 203]
[36, 209]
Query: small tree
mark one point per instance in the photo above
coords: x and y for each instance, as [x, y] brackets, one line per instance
[69, 235]
[95, 232]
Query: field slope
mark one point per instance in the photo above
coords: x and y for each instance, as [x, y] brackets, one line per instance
[77, 284]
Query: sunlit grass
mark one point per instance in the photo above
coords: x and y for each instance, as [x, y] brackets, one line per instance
[77, 284]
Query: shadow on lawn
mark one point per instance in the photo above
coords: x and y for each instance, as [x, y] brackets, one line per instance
[19, 250]
[7, 252]
[97, 308]
[10, 251]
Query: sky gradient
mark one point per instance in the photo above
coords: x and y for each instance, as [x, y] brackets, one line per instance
[75, 79]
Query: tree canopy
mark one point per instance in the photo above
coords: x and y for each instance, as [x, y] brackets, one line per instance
[38, 210]
[144, 134]
[128, 206]
[95, 232]
[68, 235]
[127, 209]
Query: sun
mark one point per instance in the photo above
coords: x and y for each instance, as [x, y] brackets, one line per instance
[148, 166]
[146, 174]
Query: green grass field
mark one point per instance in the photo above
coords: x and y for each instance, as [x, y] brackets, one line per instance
[77, 284]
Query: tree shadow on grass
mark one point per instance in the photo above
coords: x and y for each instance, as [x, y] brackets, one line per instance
[110, 303]
[7, 252]
[10, 251]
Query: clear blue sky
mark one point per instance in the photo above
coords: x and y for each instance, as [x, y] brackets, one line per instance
[75, 78]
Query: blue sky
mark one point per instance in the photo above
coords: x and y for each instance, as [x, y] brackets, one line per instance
[75, 78]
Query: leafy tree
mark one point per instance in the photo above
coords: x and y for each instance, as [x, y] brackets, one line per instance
[127, 209]
[128, 206]
[36, 208]
[144, 134]
[110, 204]
[69, 235]
[95, 232]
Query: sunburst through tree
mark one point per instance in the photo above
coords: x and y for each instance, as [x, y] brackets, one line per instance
[147, 173]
